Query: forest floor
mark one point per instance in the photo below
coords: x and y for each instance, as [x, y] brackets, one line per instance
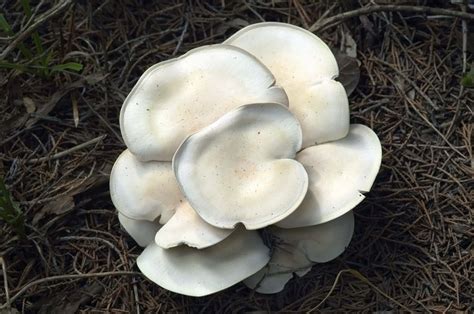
[59, 136]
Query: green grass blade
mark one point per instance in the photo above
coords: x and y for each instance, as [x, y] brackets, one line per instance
[35, 36]
[468, 78]
[10, 65]
[10, 212]
[26, 8]
[6, 28]
[37, 42]
[70, 66]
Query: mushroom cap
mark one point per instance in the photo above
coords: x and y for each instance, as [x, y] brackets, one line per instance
[267, 283]
[144, 190]
[142, 231]
[176, 98]
[305, 67]
[239, 169]
[186, 227]
[285, 260]
[339, 172]
[320, 243]
[196, 272]
[298, 249]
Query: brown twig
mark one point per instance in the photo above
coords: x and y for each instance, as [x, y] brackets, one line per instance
[64, 277]
[359, 276]
[336, 19]
[464, 42]
[5, 279]
[69, 151]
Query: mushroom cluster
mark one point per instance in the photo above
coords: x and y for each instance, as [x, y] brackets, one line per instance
[241, 163]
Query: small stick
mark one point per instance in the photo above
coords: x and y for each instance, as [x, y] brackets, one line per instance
[63, 277]
[68, 151]
[5, 280]
[359, 276]
[336, 19]
[464, 42]
[181, 38]
[135, 294]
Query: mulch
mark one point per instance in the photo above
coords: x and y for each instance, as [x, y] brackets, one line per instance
[412, 249]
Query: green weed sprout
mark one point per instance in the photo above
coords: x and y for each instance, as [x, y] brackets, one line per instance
[38, 60]
[10, 211]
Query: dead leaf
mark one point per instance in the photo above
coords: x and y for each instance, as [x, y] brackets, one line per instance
[349, 72]
[399, 83]
[69, 302]
[67, 202]
[370, 35]
[46, 108]
[29, 104]
[349, 45]
[367, 24]
[58, 206]
[15, 122]
[236, 23]
[95, 78]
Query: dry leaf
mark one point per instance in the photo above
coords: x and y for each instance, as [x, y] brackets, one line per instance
[58, 206]
[29, 104]
[14, 122]
[236, 23]
[349, 45]
[349, 72]
[69, 301]
[66, 202]
[46, 108]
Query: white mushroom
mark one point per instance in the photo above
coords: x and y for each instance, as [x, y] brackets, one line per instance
[285, 260]
[144, 190]
[297, 249]
[142, 231]
[339, 172]
[195, 272]
[303, 271]
[320, 243]
[186, 227]
[238, 169]
[176, 98]
[305, 67]
[268, 283]
[214, 143]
